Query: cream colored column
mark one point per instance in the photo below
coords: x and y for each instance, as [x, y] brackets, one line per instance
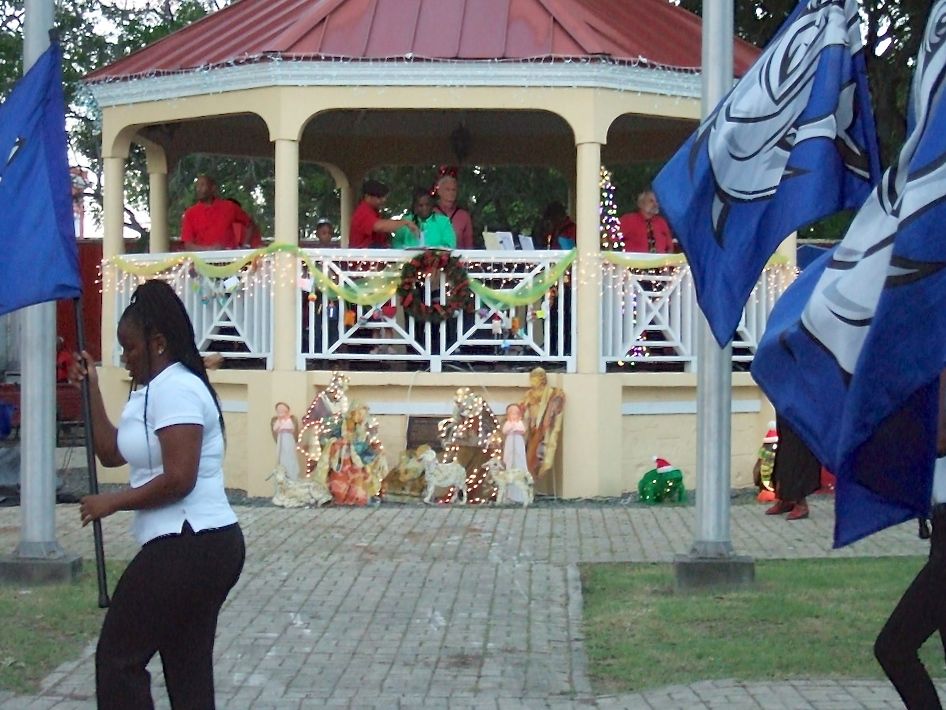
[347, 206]
[587, 273]
[158, 199]
[113, 222]
[286, 218]
[591, 441]
[789, 248]
[347, 200]
[113, 206]
[158, 208]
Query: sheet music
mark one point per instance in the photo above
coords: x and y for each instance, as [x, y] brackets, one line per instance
[506, 241]
[491, 241]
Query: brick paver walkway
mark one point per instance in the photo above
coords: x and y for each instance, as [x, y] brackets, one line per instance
[410, 607]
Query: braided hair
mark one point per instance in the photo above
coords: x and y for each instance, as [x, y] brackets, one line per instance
[156, 309]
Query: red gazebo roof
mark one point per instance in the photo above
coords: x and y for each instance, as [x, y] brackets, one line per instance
[652, 32]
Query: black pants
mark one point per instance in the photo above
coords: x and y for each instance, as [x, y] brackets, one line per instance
[167, 602]
[920, 612]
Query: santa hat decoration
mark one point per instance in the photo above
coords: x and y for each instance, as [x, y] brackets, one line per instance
[771, 436]
[662, 465]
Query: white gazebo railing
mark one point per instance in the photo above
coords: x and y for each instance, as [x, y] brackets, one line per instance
[333, 328]
[649, 314]
[232, 315]
[524, 313]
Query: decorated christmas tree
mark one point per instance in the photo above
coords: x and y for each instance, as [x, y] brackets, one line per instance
[611, 237]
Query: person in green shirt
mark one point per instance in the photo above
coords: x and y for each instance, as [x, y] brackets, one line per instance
[436, 232]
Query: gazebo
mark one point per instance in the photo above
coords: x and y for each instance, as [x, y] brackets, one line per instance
[355, 84]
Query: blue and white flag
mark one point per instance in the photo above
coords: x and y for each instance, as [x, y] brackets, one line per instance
[39, 259]
[794, 141]
[854, 349]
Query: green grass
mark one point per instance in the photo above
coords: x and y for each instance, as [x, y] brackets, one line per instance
[44, 626]
[801, 619]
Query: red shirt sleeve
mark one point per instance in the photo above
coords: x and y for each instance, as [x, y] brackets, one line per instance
[663, 235]
[631, 228]
[187, 226]
[360, 235]
[242, 226]
[240, 216]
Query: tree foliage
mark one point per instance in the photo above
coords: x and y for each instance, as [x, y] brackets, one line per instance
[893, 30]
[94, 34]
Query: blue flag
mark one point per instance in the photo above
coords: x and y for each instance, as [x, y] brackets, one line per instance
[854, 349]
[794, 141]
[40, 259]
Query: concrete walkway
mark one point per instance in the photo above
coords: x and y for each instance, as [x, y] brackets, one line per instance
[410, 607]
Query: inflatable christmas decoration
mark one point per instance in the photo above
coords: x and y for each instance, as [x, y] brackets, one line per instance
[662, 484]
[765, 464]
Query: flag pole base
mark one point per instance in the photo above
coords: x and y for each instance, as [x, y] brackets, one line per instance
[35, 571]
[694, 574]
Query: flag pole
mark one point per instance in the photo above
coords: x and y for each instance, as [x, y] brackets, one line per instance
[714, 374]
[711, 561]
[38, 548]
[90, 461]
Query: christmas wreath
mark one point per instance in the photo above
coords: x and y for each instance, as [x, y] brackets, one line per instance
[411, 288]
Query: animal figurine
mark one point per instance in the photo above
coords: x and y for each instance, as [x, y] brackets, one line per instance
[407, 478]
[297, 494]
[513, 485]
[443, 475]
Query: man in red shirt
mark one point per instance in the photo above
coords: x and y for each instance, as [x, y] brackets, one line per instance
[645, 230]
[369, 230]
[212, 222]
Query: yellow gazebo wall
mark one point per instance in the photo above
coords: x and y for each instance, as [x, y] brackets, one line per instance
[248, 396]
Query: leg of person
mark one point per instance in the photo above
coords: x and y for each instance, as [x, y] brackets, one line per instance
[799, 511]
[130, 634]
[912, 622]
[209, 565]
[781, 506]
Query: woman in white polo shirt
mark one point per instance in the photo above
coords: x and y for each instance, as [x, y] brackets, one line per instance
[171, 435]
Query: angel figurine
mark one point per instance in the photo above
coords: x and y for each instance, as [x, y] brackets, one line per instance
[514, 439]
[285, 428]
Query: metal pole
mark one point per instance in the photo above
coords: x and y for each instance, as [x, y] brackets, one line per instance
[38, 374]
[90, 461]
[714, 373]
